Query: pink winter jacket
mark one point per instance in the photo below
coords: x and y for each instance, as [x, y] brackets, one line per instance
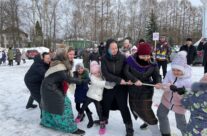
[170, 99]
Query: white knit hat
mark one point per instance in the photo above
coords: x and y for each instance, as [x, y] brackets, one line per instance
[94, 67]
[180, 61]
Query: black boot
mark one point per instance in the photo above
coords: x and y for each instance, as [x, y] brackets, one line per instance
[129, 129]
[79, 132]
[31, 106]
[30, 103]
[143, 126]
[166, 134]
[90, 119]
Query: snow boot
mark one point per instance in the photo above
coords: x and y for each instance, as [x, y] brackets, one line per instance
[154, 130]
[129, 129]
[31, 106]
[144, 126]
[80, 117]
[102, 129]
[90, 119]
[78, 132]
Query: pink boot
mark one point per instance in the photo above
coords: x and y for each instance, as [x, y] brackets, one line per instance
[102, 129]
[80, 117]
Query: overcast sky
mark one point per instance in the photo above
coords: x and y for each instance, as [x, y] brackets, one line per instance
[196, 2]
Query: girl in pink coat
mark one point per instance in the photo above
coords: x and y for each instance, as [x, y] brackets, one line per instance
[174, 85]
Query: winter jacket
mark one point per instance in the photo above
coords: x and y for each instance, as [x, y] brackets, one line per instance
[162, 52]
[3, 56]
[112, 68]
[96, 88]
[191, 53]
[195, 102]
[18, 56]
[52, 93]
[82, 89]
[170, 99]
[34, 76]
[10, 54]
[203, 46]
[148, 73]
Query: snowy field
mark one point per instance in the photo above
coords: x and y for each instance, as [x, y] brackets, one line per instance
[15, 120]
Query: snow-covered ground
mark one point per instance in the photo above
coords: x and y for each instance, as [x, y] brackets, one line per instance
[15, 120]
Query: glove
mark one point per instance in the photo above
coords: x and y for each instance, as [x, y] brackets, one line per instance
[180, 91]
[112, 84]
[173, 88]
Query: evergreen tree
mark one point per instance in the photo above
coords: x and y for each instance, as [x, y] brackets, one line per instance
[38, 35]
[151, 26]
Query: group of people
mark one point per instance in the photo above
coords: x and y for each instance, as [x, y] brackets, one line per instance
[11, 56]
[117, 78]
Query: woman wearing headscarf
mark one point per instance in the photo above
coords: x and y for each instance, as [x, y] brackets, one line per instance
[56, 106]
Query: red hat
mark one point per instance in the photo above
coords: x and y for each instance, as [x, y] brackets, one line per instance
[144, 49]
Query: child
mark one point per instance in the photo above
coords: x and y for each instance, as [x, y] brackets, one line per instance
[80, 92]
[195, 101]
[174, 84]
[95, 92]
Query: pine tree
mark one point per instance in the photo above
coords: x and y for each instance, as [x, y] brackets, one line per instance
[151, 26]
[38, 36]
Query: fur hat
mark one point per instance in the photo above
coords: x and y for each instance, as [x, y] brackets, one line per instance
[144, 49]
[78, 66]
[94, 67]
[180, 61]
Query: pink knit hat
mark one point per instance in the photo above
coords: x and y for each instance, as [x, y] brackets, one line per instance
[95, 67]
[180, 61]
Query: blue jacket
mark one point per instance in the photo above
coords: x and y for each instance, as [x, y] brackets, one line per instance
[196, 103]
[82, 89]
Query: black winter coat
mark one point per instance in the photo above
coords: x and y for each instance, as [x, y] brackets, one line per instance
[113, 71]
[191, 53]
[148, 73]
[113, 67]
[34, 76]
[203, 46]
[52, 93]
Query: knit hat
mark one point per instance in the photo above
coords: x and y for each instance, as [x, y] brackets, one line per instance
[144, 49]
[180, 61]
[94, 67]
[78, 66]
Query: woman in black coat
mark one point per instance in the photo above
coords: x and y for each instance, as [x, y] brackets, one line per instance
[56, 106]
[112, 66]
[140, 69]
[203, 46]
[34, 76]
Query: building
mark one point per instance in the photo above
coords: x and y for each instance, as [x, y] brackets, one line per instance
[9, 38]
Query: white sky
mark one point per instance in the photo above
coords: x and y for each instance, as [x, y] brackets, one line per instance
[196, 2]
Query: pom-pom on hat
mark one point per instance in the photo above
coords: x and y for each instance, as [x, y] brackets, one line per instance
[180, 61]
[144, 49]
